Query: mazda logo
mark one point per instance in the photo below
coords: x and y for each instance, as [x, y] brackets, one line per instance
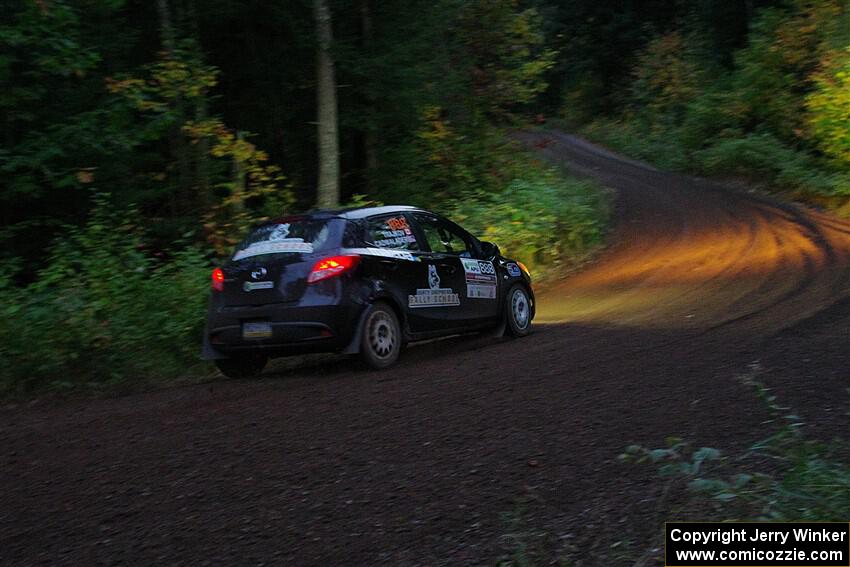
[259, 273]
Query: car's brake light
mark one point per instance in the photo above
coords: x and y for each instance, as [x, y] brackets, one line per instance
[331, 267]
[217, 280]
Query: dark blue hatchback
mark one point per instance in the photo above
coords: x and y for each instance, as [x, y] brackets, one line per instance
[364, 280]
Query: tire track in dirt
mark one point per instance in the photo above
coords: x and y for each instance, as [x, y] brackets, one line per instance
[691, 254]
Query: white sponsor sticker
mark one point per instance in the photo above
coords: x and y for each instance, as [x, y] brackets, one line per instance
[434, 296]
[481, 291]
[480, 278]
[280, 232]
[251, 286]
[439, 297]
[384, 253]
[278, 247]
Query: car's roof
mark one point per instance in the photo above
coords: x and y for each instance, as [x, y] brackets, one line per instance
[363, 212]
[355, 213]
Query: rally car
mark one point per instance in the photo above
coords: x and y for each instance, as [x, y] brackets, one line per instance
[359, 281]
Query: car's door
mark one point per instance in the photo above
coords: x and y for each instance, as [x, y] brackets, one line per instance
[392, 260]
[451, 254]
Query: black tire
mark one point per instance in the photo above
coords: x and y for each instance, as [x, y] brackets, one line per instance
[382, 337]
[246, 365]
[517, 312]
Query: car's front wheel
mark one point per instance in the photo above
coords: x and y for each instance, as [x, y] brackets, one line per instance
[247, 365]
[382, 338]
[518, 311]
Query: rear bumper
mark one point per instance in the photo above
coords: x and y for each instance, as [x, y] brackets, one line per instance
[295, 329]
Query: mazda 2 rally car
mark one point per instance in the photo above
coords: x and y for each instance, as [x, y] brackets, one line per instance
[364, 280]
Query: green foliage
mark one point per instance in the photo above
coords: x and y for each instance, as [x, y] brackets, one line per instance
[103, 309]
[829, 109]
[54, 122]
[759, 155]
[641, 140]
[784, 477]
[503, 53]
[157, 100]
[521, 541]
[541, 219]
[666, 78]
[167, 90]
[239, 187]
[255, 192]
[488, 184]
[770, 118]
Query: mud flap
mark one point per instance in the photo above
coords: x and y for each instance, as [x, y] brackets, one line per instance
[354, 346]
[208, 352]
[500, 330]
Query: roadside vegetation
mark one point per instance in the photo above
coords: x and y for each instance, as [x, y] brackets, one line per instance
[770, 105]
[783, 477]
[141, 141]
[175, 124]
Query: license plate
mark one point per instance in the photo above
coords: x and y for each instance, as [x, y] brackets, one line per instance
[260, 330]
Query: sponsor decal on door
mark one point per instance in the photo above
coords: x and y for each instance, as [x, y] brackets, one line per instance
[434, 296]
[480, 278]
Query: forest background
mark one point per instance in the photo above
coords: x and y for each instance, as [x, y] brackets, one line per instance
[142, 139]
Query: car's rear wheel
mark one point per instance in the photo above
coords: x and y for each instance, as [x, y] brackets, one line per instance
[247, 365]
[382, 337]
[518, 311]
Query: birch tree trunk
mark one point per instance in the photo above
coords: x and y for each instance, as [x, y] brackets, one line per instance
[328, 136]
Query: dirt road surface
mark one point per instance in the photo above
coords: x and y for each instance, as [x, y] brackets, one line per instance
[473, 443]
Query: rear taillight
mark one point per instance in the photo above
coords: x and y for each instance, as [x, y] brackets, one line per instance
[331, 267]
[217, 280]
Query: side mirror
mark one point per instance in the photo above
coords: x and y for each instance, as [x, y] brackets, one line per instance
[489, 250]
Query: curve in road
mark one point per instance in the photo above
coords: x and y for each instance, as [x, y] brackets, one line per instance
[691, 254]
[469, 443]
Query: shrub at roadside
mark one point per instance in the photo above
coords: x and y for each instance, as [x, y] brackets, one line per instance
[542, 220]
[777, 117]
[486, 182]
[102, 310]
[784, 477]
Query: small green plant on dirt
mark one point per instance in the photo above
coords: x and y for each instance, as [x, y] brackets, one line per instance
[521, 542]
[784, 477]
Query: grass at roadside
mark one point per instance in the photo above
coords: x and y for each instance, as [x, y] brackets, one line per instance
[547, 221]
[759, 159]
[782, 477]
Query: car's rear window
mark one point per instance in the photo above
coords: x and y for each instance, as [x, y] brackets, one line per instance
[301, 236]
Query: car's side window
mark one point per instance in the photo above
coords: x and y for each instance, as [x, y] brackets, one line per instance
[443, 238]
[392, 232]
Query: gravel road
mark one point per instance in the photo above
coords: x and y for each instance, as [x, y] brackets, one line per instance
[469, 444]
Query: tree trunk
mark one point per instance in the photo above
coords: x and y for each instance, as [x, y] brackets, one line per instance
[369, 139]
[328, 136]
